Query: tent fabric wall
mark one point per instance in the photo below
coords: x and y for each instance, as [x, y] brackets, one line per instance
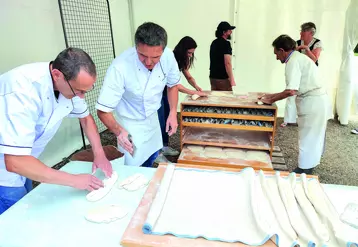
[258, 24]
[348, 73]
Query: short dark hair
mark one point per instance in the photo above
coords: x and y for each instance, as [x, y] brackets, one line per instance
[71, 60]
[151, 34]
[284, 42]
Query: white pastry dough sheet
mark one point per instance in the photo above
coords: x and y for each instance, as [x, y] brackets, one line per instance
[246, 207]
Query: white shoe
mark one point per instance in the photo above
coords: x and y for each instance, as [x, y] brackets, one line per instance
[354, 131]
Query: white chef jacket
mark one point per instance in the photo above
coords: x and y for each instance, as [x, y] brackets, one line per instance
[301, 74]
[133, 90]
[30, 114]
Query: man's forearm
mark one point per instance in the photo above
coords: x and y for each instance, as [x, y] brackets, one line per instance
[110, 122]
[32, 168]
[173, 99]
[91, 131]
[283, 95]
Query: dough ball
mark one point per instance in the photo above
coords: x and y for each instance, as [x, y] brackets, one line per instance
[195, 148]
[213, 149]
[215, 154]
[258, 156]
[195, 97]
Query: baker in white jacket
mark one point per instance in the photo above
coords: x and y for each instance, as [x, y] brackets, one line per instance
[34, 98]
[133, 88]
[311, 99]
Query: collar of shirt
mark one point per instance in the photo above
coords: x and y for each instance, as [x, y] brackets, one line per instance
[289, 56]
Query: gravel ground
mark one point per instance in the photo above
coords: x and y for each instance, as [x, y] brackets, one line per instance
[339, 164]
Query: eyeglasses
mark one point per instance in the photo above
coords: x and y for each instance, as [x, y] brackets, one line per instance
[80, 92]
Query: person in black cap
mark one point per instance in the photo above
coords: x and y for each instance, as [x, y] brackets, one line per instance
[221, 75]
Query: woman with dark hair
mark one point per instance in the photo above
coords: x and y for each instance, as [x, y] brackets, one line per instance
[184, 54]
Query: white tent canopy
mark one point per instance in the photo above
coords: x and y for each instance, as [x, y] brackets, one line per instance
[32, 31]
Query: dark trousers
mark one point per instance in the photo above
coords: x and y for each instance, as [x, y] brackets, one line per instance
[163, 113]
[220, 84]
[150, 161]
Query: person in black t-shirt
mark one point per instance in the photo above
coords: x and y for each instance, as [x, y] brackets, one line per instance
[221, 75]
[308, 44]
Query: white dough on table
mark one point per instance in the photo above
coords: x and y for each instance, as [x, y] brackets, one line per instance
[106, 213]
[218, 93]
[129, 180]
[249, 208]
[102, 192]
[195, 148]
[137, 184]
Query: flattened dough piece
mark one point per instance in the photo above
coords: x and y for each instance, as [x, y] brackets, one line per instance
[195, 148]
[106, 214]
[102, 192]
[137, 184]
[218, 93]
[129, 180]
[213, 149]
[195, 97]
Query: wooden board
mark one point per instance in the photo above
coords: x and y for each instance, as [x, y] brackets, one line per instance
[134, 236]
[226, 138]
[188, 157]
[228, 126]
[231, 100]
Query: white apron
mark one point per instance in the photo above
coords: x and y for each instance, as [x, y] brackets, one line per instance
[146, 136]
[313, 113]
[62, 110]
[290, 110]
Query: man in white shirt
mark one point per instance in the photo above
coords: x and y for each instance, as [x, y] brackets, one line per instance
[34, 98]
[133, 87]
[313, 108]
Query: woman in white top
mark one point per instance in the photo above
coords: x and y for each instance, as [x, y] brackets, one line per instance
[312, 47]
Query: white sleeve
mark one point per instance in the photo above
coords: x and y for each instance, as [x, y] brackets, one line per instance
[112, 90]
[80, 108]
[318, 45]
[173, 77]
[18, 117]
[293, 75]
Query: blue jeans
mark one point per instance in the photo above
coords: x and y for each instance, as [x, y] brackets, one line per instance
[10, 195]
[163, 113]
[150, 161]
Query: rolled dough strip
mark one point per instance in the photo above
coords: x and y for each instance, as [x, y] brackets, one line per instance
[195, 148]
[102, 192]
[106, 214]
[260, 102]
[327, 211]
[271, 191]
[195, 97]
[129, 180]
[320, 230]
[218, 93]
[159, 200]
[137, 184]
[292, 209]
